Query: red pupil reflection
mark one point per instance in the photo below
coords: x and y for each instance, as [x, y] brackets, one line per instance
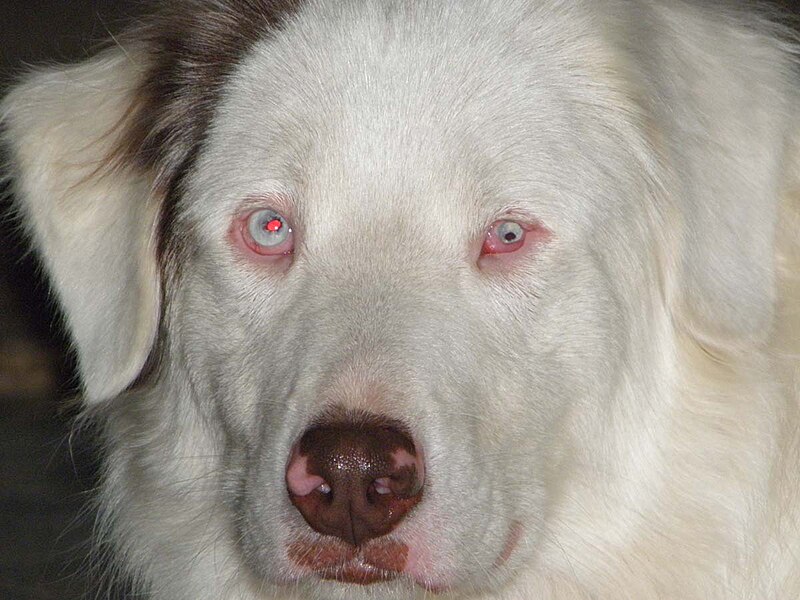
[273, 225]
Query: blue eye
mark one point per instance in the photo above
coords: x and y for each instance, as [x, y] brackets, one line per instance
[509, 232]
[268, 229]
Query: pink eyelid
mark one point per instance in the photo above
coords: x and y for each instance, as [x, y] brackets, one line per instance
[492, 244]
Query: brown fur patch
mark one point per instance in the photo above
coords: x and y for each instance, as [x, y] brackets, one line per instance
[190, 48]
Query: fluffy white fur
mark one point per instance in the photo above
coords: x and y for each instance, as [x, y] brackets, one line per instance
[628, 393]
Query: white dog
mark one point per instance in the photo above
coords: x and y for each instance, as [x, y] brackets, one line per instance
[382, 299]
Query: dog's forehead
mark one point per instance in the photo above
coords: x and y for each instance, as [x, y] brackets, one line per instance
[352, 109]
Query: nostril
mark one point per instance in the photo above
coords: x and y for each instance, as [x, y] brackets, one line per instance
[355, 479]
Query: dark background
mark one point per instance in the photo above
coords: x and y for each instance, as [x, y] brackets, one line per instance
[46, 474]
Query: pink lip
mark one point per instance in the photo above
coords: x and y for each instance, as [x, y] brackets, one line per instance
[357, 572]
[377, 562]
[334, 560]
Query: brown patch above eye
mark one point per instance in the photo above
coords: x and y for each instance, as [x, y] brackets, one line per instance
[190, 48]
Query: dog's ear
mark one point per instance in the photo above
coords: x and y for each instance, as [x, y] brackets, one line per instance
[731, 113]
[93, 225]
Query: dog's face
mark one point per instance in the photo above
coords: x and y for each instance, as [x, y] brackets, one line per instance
[415, 279]
[429, 262]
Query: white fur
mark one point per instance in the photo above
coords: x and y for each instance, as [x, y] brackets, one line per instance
[629, 393]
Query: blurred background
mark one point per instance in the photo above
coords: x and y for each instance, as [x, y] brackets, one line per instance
[47, 471]
[46, 474]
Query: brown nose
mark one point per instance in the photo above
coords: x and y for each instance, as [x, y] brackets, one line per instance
[355, 480]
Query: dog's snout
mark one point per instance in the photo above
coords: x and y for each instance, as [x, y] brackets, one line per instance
[356, 479]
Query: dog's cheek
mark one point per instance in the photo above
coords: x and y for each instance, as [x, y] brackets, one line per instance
[221, 341]
[559, 341]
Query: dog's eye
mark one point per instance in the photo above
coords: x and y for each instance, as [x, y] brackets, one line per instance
[504, 237]
[268, 233]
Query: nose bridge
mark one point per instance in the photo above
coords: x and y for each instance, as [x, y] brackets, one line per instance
[372, 311]
[365, 328]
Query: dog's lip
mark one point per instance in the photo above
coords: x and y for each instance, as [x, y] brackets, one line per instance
[357, 572]
[333, 560]
[380, 562]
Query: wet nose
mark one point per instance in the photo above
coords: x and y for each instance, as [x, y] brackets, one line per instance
[356, 479]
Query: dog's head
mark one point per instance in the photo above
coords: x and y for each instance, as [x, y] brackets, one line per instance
[393, 275]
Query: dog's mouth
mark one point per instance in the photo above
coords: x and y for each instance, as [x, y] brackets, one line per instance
[332, 560]
[376, 562]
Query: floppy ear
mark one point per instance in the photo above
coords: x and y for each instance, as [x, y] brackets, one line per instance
[731, 108]
[93, 226]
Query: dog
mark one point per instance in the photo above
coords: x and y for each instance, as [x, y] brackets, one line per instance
[487, 299]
